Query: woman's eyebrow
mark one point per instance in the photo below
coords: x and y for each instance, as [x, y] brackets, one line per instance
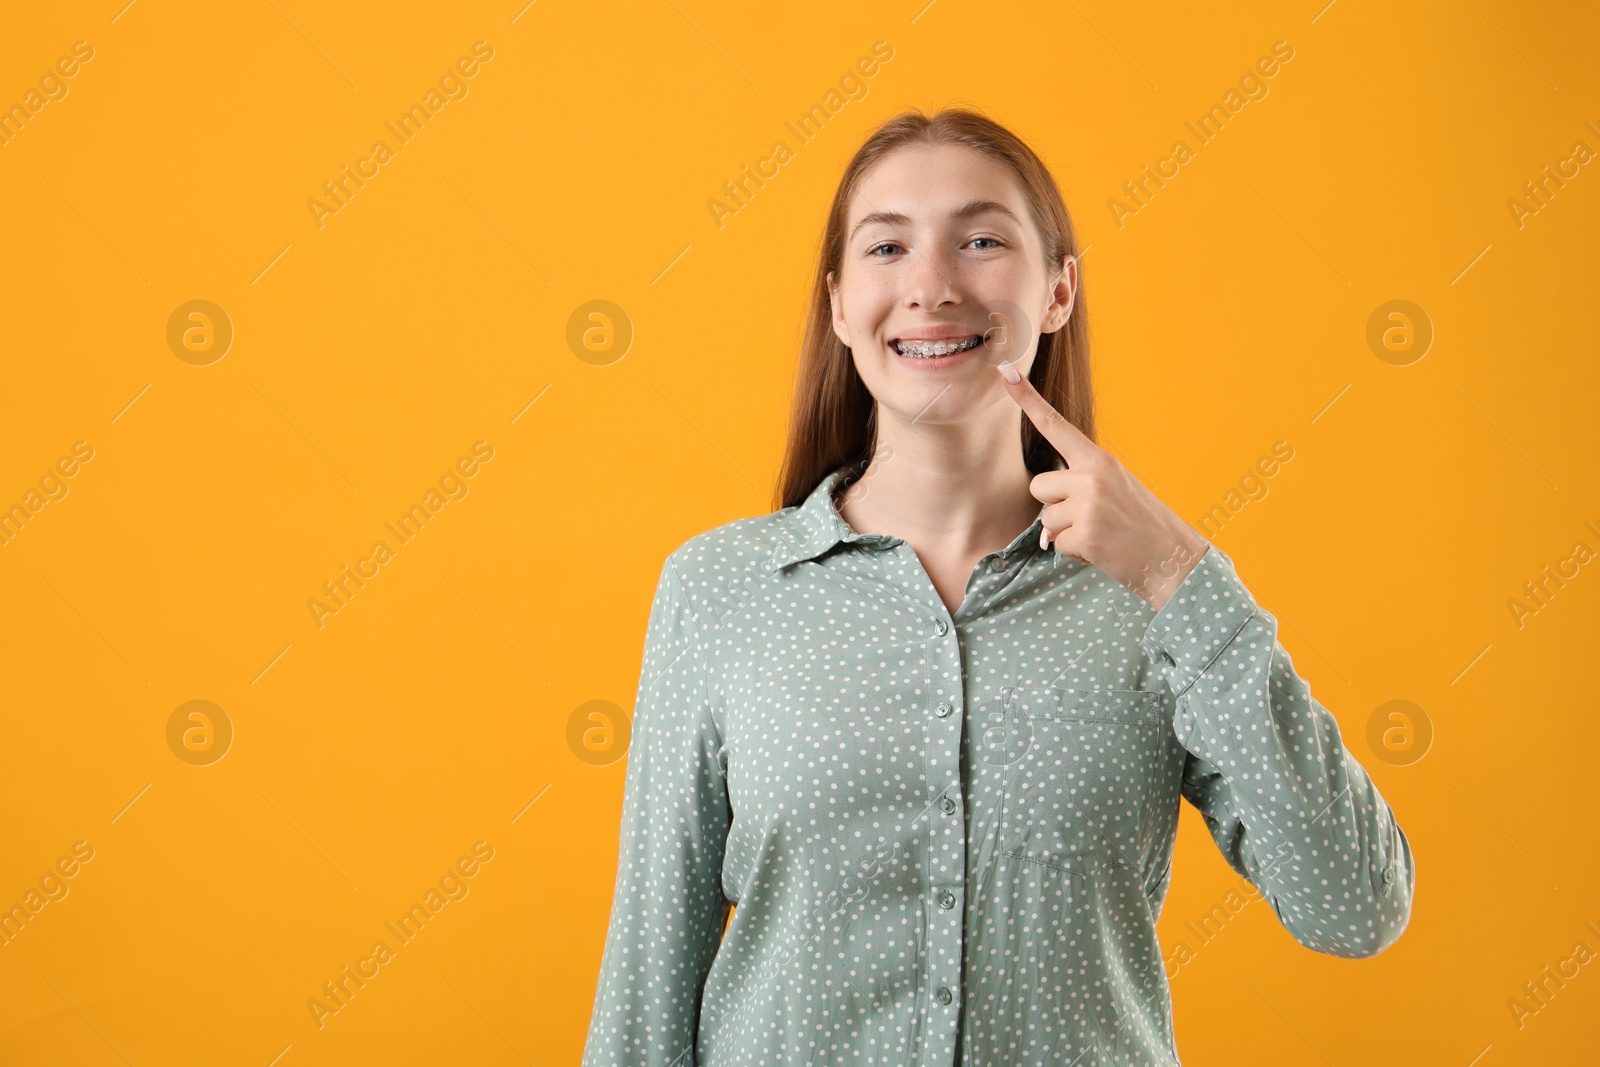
[970, 209]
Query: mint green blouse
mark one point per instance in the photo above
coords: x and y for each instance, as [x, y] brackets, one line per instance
[949, 837]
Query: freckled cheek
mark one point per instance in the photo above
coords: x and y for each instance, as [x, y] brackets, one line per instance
[998, 284]
[868, 312]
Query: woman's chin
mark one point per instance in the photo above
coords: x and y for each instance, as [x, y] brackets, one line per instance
[947, 400]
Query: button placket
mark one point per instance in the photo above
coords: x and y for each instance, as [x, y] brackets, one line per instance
[946, 869]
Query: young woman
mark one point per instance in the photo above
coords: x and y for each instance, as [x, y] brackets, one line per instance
[928, 725]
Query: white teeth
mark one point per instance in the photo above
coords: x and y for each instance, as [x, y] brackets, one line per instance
[928, 349]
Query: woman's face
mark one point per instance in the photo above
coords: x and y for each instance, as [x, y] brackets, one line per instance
[939, 244]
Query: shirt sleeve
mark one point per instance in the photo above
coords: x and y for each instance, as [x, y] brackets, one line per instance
[1286, 802]
[668, 910]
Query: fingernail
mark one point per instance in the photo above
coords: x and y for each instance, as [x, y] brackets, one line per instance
[1044, 537]
[1009, 372]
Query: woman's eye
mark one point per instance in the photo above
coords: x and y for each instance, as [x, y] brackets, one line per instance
[994, 242]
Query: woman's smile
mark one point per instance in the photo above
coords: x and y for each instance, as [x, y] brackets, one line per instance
[936, 353]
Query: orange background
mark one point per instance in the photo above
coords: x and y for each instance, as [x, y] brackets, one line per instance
[443, 704]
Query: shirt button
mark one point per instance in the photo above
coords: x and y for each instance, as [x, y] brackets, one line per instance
[997, 564]
[942, 710]
[947, 805]
[943, 995]
[940, 626]
[947, 900]
[1388, 875]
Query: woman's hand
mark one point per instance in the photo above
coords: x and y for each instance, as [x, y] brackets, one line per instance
[1101, 515]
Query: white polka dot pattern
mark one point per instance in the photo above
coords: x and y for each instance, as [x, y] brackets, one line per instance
[949, 837]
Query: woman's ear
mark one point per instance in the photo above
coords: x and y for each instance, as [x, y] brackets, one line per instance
[1064, 296]
[840, 329]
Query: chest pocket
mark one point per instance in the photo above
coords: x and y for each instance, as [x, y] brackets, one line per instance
[1080, 793]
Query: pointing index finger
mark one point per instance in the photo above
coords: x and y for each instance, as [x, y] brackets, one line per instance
[1074, 446]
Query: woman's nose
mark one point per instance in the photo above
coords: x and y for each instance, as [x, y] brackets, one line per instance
[932, 279]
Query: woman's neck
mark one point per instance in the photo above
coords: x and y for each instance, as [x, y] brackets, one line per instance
[956, 498]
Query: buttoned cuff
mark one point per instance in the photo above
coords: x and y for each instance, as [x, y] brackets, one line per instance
[1201, 618]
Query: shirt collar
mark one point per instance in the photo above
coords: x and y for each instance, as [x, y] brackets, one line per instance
[816, 526]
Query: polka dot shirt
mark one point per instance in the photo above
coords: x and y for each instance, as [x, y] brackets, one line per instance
[947, 839]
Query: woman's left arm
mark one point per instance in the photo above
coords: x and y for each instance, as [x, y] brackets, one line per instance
[1287, 803]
